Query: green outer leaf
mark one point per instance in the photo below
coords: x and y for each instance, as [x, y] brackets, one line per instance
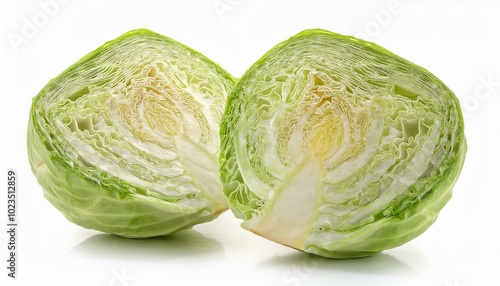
[400, 222]
[90, 197]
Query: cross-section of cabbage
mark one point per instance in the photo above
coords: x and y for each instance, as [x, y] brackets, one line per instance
[126, 140]
[335, 146]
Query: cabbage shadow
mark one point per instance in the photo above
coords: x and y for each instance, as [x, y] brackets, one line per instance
[184, 244]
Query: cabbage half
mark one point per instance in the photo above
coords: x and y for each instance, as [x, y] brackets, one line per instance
[126, 141]
[335, 146]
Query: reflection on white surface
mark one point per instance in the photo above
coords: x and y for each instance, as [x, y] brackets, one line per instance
[118, 261]
[112, 247]
[379, 264]
[219, 252]
[306, 269]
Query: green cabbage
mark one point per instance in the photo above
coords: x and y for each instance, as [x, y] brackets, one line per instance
[126, 141]
[336, 146]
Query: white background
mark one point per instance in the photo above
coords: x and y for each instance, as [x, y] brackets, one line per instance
[458, 41]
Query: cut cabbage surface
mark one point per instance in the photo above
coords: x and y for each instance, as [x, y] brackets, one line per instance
[335, 146]
[126, 141]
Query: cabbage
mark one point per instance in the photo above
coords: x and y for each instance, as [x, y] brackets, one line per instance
[335, 146]
[126, 141]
